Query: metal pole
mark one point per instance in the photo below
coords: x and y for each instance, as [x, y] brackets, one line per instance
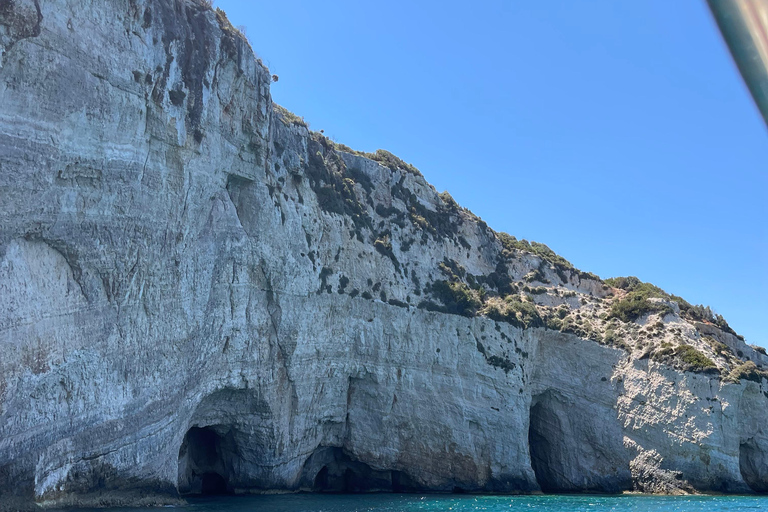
[744, 25]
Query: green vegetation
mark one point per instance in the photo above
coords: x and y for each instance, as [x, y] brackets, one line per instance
[442, 223]
[747, 371]
[449, 201]
[514, 311]
[334, 184]
[581, 328]
[635, 305]
[457, 299]
[686, 357]
[720, 349]
[452, 269]
[704, 314]
[287, 117]
[695, 360]
[633, 284]
[382, 156]
[535, 275]
[394, 163]
[383, 246]
[498, 280]
[511, 244]
[636, 302]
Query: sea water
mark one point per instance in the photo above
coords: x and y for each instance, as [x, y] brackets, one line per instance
[467, 503]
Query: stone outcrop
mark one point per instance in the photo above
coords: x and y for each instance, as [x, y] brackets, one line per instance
[198, 293]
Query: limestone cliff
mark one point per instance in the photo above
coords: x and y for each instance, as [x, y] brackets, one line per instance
[198, 293]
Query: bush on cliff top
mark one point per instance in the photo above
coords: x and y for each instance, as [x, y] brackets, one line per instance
[687, 357]
[287, 117]
[635, 307]
[510, 244]
[747, 371]
[636, 302]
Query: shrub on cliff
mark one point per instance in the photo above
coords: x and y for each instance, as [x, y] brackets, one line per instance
[287, 117]
[387, 159]
[510, 244]
[514, 311]
[705, 314]
[747, 371]
[635, 305]
[457, 298]
[694, 359]
[636, 302]
[686, 357]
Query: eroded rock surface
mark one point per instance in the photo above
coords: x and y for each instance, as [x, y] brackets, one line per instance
[199, 294]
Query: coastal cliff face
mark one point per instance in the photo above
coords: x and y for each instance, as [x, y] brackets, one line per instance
[198, 293]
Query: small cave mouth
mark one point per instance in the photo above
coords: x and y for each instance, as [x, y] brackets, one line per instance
[332, 470]
[205, 461]
[753, 466]
[544, 432]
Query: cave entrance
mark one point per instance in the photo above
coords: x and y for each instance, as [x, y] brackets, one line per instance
[205, 461]
[332, 470]
[576, 445]
[753, 465]
[340, 478]
[545, 442]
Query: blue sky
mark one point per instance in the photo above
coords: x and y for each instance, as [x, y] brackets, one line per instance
[618, 133]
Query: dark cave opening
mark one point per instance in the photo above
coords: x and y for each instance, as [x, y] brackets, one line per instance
[576, 446]
[544, 443]
[753, 465]
[336, 472]
[205, 459]
[213, 483]
[321, 480]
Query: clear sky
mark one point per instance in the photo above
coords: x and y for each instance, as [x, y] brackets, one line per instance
[618, 133]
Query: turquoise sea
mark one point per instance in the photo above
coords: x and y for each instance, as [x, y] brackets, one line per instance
[469, 503]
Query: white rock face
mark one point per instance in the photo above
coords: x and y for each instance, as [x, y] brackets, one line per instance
[198, 293]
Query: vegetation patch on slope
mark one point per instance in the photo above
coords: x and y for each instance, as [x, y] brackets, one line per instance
[511, 244]
[684, 357]
[334, 185]
[747, 371]
[636, 302]
[287, 117]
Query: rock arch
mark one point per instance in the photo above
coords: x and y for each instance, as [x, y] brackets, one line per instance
[206, 460]
[753, 463]
[332, 469]
[224, 447]
[575, 446]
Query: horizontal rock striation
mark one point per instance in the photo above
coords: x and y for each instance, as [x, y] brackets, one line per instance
[199, 294]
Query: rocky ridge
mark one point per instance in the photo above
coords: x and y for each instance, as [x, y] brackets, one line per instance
[199, 293]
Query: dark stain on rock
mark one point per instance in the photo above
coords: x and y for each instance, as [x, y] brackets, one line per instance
[185, 27]
[147, 20]
[177, 97]
[22, 22]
